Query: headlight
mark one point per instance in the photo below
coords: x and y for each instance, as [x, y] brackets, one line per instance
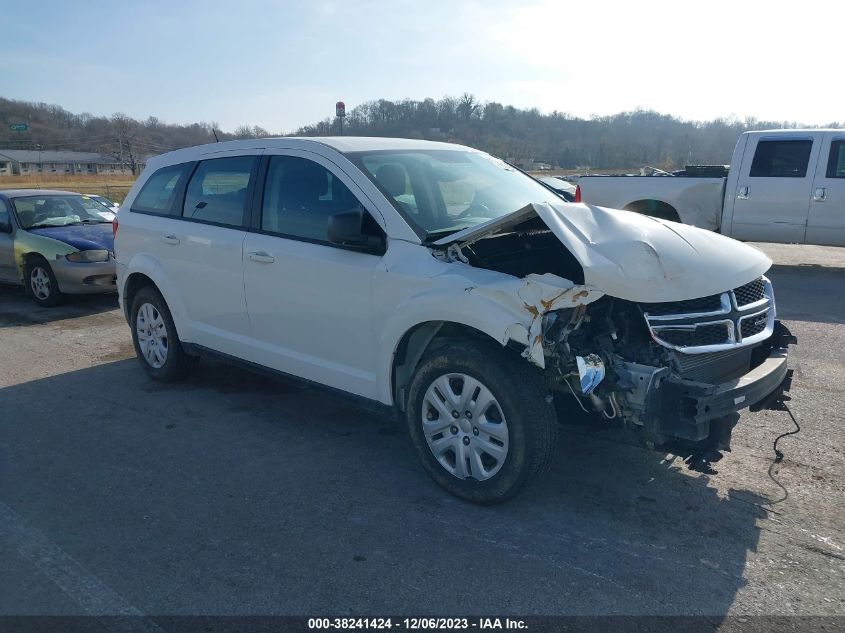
[86, 257]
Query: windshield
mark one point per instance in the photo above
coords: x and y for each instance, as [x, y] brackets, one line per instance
[104, 201]
[444, 191]
[58, 210]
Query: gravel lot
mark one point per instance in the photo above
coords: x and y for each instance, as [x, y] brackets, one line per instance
[236, 494]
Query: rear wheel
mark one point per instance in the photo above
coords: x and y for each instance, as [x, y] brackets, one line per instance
[481, 421]
[41, 283]
[155, 339]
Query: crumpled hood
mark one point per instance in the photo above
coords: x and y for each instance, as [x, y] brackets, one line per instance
[636, 257]
[641, 258]
[85, 237]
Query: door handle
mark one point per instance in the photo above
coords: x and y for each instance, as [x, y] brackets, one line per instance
[261, 257]
[170, 239]
[743, 194]
[820, 194]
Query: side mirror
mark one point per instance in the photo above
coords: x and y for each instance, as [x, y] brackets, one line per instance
[5, 227]
[348, 228]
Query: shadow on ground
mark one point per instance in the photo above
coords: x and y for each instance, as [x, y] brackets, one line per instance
[17, 309]
[234, 493]
[809, 292]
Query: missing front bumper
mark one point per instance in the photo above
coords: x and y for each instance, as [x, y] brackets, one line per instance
[685, 409]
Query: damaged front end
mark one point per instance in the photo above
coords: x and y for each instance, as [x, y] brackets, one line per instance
[678, 371]
[611, 322]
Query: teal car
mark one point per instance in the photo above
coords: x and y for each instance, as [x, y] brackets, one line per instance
[55, 243]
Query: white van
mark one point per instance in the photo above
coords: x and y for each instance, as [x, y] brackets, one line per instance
[439, 282]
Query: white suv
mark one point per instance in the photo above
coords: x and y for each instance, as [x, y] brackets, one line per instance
[444, 284]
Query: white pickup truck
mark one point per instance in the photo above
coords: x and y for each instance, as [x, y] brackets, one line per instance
[782, 186]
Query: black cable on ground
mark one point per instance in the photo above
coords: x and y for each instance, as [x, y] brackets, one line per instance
[781, 406]
[778, 453]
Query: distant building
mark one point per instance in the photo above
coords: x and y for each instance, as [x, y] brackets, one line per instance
[21, 162]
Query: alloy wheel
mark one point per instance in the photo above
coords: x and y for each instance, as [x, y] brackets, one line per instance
[39, 283]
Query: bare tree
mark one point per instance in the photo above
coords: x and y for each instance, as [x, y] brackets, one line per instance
[467, 106]
[126, 133]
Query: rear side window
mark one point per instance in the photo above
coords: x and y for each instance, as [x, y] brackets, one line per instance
[158, 195]
[217, 192]
[836, 161]
[299, 197]
[781, 159]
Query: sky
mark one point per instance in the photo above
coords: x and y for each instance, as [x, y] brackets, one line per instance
[284, 64]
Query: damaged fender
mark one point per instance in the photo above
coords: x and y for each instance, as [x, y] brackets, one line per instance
[536, 295]
[504, 307]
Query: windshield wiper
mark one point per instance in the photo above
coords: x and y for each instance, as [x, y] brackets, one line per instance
[43, 225]
[92, 221]
[435, 235]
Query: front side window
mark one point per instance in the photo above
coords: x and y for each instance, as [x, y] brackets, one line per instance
[836, 160]
[158, 195]
[300, 196]
[444, 191]
[57, 210]
[217, 190]
[4, 214]
[781, 159]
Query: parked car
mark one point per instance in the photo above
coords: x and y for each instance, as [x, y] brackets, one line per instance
[439, 282]
[782, 186]
[564, 189]
[109, 204]
[55, 243]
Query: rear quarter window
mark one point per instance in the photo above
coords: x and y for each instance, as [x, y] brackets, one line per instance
[159, 193]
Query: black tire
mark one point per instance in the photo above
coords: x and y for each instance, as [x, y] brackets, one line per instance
[54, 296]
[523, 397]
[177, 364]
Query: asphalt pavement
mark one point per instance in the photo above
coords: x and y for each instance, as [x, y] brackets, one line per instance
[232, 493]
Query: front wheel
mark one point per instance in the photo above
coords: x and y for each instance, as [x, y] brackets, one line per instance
[41, 283]
[481, 421]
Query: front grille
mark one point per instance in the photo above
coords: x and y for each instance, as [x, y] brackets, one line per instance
[713, 303]
[753, 325]
[750, 293]
[732, 319]
[708, 334]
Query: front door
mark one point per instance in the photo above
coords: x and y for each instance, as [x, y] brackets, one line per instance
[772, 198]
[8, 270]
[826, 223]
[309, 301]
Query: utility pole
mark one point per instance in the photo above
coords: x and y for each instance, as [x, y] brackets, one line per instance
[40, 167]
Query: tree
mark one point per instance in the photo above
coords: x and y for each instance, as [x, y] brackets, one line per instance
[126, 136]
[467, 107]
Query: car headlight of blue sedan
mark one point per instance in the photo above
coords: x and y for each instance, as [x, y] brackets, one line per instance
[87, 257]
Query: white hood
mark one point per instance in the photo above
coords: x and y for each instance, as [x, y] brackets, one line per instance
[636, 257]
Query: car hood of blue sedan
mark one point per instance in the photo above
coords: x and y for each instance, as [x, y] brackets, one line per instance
[85, 237]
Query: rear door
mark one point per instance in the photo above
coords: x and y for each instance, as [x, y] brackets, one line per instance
[203, 251]
[772, 196]
[826, 222]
